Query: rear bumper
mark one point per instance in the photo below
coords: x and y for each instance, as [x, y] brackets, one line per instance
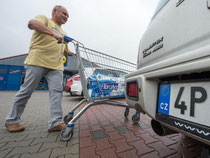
[148, 84]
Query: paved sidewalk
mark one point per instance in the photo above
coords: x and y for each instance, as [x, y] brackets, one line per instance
[105, 133]
[35, 141]
[101, 132]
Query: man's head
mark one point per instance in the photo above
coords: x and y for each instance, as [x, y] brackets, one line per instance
[60, 15]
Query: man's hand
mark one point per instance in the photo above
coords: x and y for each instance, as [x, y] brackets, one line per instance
[58, 37]
[69, 53]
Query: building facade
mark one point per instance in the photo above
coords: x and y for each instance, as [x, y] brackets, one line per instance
[12, 72]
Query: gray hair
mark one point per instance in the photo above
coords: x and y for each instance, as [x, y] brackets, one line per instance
[57, 7]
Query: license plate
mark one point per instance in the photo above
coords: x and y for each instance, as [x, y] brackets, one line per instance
[187, 101]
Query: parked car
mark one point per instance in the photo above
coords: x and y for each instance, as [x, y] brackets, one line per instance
[76, 87]
[70, 82]
[110, 81]
[172, 84]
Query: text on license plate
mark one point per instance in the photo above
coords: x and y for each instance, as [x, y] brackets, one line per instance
[188, 101]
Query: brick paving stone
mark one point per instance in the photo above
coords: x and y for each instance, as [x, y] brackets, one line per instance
[128, 122]
[165, 140]
[63, 151]
[121, 145]
[130, 137]
[13, 138]
[175, 136]
[92, 120]
[114, 136]
[143, 125]
[98, 134]
[20, 150]
[128, 154]
[96, 128]
[83, 121]
[151, 132]
[117, 123]
[5, 152]
[86, 142]
[105, 123]
[101, 119]
[4, 133]
[52, 145]
[177, 155]
[76, 129]
[83, 126]
[84, 133]
[102, 144]
[37, 135]
[109, 128]
[2, 144]
[136, 129]
[43, 140]
[52, 134]
[63, 156]
[44, 154]
[163, 150]
[72, 156]
[141, 147]
[107, 153]
[153, 154]
[88, 152]
[16, 156]
[147, 138]
[123, 129]
[16, 144]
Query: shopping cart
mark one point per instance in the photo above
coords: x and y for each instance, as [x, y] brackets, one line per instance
[101, 80]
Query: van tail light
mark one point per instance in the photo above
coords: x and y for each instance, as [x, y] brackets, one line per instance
[77, 78]
[132, 90]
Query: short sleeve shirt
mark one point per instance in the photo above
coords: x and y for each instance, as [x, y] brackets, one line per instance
[44, 49]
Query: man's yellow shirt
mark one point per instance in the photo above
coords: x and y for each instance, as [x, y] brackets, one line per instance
[44, 49]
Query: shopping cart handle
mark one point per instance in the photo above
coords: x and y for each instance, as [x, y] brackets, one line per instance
[67, 39]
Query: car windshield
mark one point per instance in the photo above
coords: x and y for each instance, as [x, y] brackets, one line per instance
[110, 73]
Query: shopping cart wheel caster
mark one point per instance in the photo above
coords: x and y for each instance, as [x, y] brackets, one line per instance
[65, 136]
[126, 113]
[136, 118]
[67, 118]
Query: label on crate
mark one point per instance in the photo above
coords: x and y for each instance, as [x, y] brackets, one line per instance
[102, 85]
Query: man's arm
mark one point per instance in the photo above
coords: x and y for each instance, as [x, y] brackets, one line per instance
[39, 27]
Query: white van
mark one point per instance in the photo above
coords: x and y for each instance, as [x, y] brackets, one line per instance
[172, 82]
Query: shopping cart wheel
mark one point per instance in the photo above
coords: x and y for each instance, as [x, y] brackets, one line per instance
[136, 118]
[65, 137]
[126, 113]
[68, 118]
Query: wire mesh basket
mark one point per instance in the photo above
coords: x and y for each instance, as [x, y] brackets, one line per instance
[102, 75]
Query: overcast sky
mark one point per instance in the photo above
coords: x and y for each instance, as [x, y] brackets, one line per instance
[113, 27]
